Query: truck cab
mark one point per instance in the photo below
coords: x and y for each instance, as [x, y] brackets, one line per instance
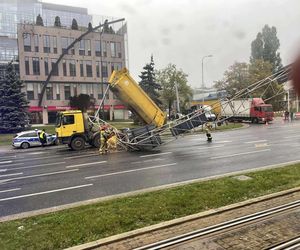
[72, 128]
[260, 111]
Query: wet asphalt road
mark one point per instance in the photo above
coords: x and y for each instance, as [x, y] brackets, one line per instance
[40, 178]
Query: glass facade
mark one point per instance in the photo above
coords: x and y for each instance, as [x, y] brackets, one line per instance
[19, 11]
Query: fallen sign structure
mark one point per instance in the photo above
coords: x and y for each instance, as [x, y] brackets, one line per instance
[157, 132]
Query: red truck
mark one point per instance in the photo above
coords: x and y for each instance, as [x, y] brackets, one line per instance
[251, 109]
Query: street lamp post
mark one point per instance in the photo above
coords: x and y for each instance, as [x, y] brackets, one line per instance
[203, 86]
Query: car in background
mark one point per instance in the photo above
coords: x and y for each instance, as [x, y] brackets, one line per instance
[30, 138]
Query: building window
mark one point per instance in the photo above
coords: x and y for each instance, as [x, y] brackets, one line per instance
[27, 72]
[35, 65]
[72, 67]
[98, 69]
[104, 49]
[36, 43]
[39, 85]
[72, 50]
[97, 48]
[88, 47]
[27, 42]
[119, 53]
[104, 69]
[57, 92]
[46, 63]
[67, 90]
[82, 48]
[89, 71]
[84, 88]
[113, 49]
[81, 69]
[49, 92]
[46, 44]
[64, 44]
[54, 44]
[30, 91]
[54, 67]
[64, 67]
[116, 66]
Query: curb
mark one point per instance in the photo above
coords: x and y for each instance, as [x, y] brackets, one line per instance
[178, 221]
[137, 192]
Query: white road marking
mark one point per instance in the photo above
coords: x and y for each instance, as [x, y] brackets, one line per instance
[41, 165]
[222, 141]
[5, 162]
[6, 175]
[86, 164]
[10, 190]
[38, 175]
[293, 136]
[156, 159]
[45, 192]
[8, 157]
[37, 153]
[129, 171]
[244, 153]
[248, 142]
[39, 158]
[208, 147]
[262, 145]
[14, 164]
[80, 156]
[165, 153]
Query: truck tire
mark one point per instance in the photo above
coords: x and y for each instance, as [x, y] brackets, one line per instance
[255, 120]
[77, 143]
[96, 141]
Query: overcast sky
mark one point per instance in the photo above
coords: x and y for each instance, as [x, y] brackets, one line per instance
[183, 31]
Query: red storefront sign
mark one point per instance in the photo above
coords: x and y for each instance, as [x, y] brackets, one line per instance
[59, 108]
[35, 109]
[106, 107]
[119, 107]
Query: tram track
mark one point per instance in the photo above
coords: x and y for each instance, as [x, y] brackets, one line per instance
[252, 218]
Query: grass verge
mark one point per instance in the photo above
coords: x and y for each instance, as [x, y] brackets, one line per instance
[87, 223]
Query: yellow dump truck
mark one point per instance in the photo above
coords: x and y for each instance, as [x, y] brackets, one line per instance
[74, 128]
[130, 93]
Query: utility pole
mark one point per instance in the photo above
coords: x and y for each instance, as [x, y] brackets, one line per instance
[177, 98]
[203, 85]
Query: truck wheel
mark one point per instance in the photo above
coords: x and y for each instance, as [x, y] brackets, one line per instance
[96, 141]
[25, 145]
[255, 120]
[77, 143]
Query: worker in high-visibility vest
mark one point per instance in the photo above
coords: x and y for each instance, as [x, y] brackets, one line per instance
[42, 137]
[208, 128]
[104, 135]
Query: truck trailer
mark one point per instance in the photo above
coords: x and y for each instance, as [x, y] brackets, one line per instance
[251, 109]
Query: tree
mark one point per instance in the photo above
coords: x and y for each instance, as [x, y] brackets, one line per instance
[13, 103]
[259, 70]
[111, 30]
[265, 47]
[39, 20]
[82, 102]
[148, 82]
[57, 22]
[235, 78]
[105, 27]
[90, 27]
[74, 24]
[168, 77]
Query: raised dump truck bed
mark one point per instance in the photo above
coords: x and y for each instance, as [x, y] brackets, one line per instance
[131, 94]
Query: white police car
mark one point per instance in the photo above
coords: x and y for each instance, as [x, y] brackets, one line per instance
[30, 138]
